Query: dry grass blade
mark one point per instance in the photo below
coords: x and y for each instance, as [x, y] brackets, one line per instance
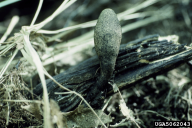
[93, 23]
[31, 55]
[8, 63]
[27, 57]
[128, 113]
[7, 48]
[36, 60]
[136, 8]
[153, 18]
[68, 53]
[37, 12]
[62, 7]
[83, 25]
[7, 2]
[29, 101]
[14, 21]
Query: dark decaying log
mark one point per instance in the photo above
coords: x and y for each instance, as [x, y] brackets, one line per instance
[137, 60]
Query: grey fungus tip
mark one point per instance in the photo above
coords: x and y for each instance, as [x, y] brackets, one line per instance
[108, 10]
[108, 14]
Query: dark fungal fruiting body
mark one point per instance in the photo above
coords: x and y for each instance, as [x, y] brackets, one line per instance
[107, 39]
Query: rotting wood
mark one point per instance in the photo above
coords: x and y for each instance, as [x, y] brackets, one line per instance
[137, 60]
